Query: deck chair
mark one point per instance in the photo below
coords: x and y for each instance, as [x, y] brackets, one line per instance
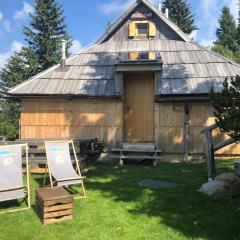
[60, 167]
[11, 175]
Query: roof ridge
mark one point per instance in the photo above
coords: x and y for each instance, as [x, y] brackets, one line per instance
[216, 54]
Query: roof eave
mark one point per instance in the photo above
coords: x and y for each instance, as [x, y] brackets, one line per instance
[62, 96]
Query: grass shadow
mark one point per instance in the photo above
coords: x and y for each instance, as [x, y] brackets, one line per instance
[192, 213]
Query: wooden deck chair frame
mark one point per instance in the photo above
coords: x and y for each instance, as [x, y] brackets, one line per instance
[67, 179]
[27, 187]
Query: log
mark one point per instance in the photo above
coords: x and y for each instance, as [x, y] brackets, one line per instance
[225, 143]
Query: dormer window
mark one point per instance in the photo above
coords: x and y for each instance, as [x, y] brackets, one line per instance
[142, 29]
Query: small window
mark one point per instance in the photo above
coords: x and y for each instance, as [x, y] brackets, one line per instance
[142, 30]
[143, 56]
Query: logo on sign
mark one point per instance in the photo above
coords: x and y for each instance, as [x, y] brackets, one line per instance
[8, 152]
[59, 159]
[56, 150]
[141, 16]
[7, 162]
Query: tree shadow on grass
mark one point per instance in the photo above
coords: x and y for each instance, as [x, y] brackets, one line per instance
[183, 208]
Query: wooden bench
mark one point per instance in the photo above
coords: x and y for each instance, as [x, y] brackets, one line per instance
[138, 152]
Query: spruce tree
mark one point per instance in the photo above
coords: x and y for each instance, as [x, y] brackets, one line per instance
[13, 73]
[46, 30]
[180, 13]
[239, 23]
[227, 30]
[43, 36]
[227, 104]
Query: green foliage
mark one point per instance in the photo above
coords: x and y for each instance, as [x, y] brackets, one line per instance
[227, 107]
[45, 32]
[18, 68]
[43, 36]
[239, 23]
[227, 30]
[228, 36]
[180, 13]
[9, 119]
[224, 52]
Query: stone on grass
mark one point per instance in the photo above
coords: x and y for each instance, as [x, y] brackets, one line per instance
[212, 187]
[157, 184]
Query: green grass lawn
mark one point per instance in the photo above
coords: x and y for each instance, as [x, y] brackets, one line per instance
[117, 208]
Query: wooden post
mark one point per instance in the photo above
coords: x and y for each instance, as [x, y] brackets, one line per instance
[210, 155]
[186, 132]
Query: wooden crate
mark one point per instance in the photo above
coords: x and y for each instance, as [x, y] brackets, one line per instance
[54, 204]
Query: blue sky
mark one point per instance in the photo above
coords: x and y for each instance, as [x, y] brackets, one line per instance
[87, 19]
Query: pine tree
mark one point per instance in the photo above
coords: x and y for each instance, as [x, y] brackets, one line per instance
[239, 23]
[227, 30]
[180, 13]
[227, 104]
[13, 73]
[43, 36]
[45, 32]
[20, 66]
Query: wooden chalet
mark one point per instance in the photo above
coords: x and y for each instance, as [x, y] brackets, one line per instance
[144, 80]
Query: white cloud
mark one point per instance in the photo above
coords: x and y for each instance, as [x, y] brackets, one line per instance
[207, 42]
[233, 5]
[24, 12]
[1, 16]
[116, 6]
[76, 47]
[16, 46]
[6, 25]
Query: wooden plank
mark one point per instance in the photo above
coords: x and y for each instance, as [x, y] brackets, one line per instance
[139, 108]
[61, 119]
[140, 157]
[57, 214]
[135, 150]
[48, 194]
[54, 220]
[54, 202]
[58, 207]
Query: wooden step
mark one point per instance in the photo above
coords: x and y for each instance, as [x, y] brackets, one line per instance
[138, 146]
[139, 157]
[136, 150]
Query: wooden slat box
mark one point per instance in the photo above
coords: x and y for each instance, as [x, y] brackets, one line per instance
[54, 204]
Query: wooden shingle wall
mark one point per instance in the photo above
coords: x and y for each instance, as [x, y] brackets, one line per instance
[103, 119]
[100, 119]
[163, 30]
[169, 125]
[169, 122]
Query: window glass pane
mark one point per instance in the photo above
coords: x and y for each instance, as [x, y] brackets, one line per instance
[143, 56]
[142, 29]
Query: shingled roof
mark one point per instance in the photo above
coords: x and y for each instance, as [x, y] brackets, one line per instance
[188, 68]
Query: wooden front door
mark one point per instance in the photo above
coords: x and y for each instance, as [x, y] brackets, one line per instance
[139, 108]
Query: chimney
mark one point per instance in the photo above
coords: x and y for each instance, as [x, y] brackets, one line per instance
[160, 7]
[167, 13]
[63, 53]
